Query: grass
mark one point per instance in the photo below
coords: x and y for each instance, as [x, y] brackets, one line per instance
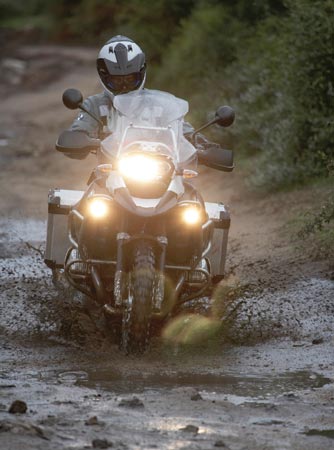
[19, 23]
[312, 225]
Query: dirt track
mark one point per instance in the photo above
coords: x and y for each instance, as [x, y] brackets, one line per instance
[265, 383]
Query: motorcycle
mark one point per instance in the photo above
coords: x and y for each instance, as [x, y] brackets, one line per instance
[140, 226]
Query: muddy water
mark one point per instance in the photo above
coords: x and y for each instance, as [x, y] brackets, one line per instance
[246, 385]
[300, 309]
[272, 388]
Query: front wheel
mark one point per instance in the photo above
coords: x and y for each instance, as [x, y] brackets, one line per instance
[138, 305]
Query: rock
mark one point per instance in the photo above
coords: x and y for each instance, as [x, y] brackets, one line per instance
[196, 397]
[317, 341]
[101, 443]
[190, 429]
[18, 407]
[134, 402]
[92, 421]
[290, 395]
[220, 443]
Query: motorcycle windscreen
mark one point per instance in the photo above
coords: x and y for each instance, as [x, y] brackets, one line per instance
[152, 117]
[151, 107]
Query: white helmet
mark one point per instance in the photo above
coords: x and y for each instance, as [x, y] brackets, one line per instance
[121, 65]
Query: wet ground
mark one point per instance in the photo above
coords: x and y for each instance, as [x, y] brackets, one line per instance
[262, 380]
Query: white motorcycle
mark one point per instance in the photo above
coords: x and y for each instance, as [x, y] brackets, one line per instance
[141, 226]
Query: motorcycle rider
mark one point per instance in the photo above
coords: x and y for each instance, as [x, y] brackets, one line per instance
[121, 66]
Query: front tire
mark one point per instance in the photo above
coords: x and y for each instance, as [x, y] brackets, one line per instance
[138, 305]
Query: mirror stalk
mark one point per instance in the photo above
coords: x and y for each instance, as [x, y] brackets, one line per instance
[224, 117]
[72, 99]
[91, 115]
[193, 134]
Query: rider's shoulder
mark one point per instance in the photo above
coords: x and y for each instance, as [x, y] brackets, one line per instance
[164, 95]
[102, 98]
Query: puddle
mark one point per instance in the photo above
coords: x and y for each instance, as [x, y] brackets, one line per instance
[324, 433]
[75, 377]
[227, 384]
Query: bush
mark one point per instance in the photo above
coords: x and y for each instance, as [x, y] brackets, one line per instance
[286, 93]
[205, 44]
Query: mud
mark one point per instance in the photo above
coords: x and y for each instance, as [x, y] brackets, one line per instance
[257, 371]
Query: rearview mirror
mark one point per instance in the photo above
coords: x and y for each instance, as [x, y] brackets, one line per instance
[224, 116]
[72, 98]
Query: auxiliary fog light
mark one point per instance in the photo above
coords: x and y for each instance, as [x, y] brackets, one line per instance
[191, 215]
[98, 208]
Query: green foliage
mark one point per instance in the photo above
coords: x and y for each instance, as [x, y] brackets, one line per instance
[161, 19]
[17, 14]
[286, 96]
[10, 9]
[310, 43]
[193, 63]
[316, 229]
[320, 223]
[317, 221]
[94, 21]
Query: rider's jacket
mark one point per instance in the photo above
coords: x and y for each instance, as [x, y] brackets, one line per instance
[101, 106]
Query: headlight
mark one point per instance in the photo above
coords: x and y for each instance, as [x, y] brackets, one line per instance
[98, 208]
[143, 168]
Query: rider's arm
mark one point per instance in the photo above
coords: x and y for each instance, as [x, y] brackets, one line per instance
[81, 136]
[84, 122]
[77, 141]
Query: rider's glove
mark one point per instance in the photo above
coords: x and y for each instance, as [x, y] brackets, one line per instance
[202, 145]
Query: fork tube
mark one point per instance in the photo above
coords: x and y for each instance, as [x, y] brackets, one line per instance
[159, 285]
[119, 278]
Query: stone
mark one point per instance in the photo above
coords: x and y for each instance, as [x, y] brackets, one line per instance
[190, 429]
[101, 443]
[220, 443]
[134, 402]
[92, 421]
[196, 397]
[18, 407]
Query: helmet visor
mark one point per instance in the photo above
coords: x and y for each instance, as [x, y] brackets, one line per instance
[120, 84]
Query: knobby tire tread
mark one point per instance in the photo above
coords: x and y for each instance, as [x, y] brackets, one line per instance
[137, 314]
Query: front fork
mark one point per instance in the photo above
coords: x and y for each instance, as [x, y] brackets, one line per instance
[120, 280]
[121, 274]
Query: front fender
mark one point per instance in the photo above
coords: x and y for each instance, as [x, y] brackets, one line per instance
[125, 200]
